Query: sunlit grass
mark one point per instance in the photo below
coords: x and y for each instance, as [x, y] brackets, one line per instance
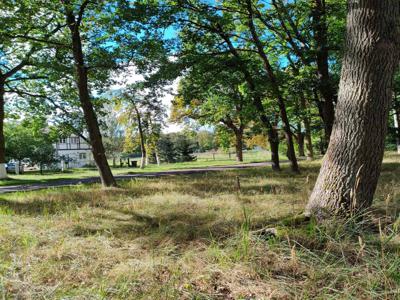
[204, 160]
[196, 237]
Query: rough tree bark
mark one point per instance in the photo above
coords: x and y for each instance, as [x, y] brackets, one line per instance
[351, 167]
[92, 124]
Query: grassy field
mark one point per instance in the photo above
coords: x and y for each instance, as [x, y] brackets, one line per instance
[203, 160]
[198, 237]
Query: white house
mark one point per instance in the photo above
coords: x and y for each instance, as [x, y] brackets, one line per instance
[74, 152]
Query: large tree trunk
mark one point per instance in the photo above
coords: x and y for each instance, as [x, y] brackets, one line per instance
[351, 167]
[106, 176]
[3, 172]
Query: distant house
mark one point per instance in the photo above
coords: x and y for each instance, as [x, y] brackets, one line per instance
[74, 152]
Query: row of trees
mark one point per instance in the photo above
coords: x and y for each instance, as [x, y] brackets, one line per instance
[267, 60]
[269, 66]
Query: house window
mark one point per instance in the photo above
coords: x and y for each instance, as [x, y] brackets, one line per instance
[74, 140]
[62, 140]
[82, 156]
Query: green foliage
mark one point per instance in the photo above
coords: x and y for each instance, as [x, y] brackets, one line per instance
[206, 140]
[31, 139]
[176, 147]
[166, 149]
[224, 138]
[184, 148]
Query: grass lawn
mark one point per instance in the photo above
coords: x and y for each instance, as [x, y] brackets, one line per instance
[204, 160]
[196, 237]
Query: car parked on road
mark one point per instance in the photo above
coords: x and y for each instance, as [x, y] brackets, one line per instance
[11, 167]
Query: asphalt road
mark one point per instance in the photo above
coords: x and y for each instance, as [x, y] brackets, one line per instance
[86, 180]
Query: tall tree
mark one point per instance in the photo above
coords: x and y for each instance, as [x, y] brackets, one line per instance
[74, 21]
[310, 31]
[223, 34]
[96, 38]
[142, 109]
[224, 100]
[351, 167]
[274, 82]
[19, 19]
[112, 133]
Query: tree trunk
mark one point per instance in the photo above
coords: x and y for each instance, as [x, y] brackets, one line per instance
[238, 132]
[157, 157]
[3, 172]
[141, 137]
[309, 145]
[239, 144]
[351, 167]
[300, 140]
[273, 140]
[397, 127]
[106, 176]
[322, 58]
[272, 133]
[275, 88]
[307, 129]
[291, 154]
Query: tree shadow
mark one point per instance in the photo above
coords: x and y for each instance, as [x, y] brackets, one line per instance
[203, 185]
[175, 226]
[39, 207]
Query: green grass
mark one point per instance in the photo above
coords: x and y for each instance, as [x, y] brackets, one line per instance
[197, 237]
[204, 160]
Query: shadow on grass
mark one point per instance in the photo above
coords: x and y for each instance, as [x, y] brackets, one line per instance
[212, 183]
[178, 227]
[15, 181]
[38, 207]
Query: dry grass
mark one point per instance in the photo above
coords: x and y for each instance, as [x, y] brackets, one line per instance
[191, 237]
